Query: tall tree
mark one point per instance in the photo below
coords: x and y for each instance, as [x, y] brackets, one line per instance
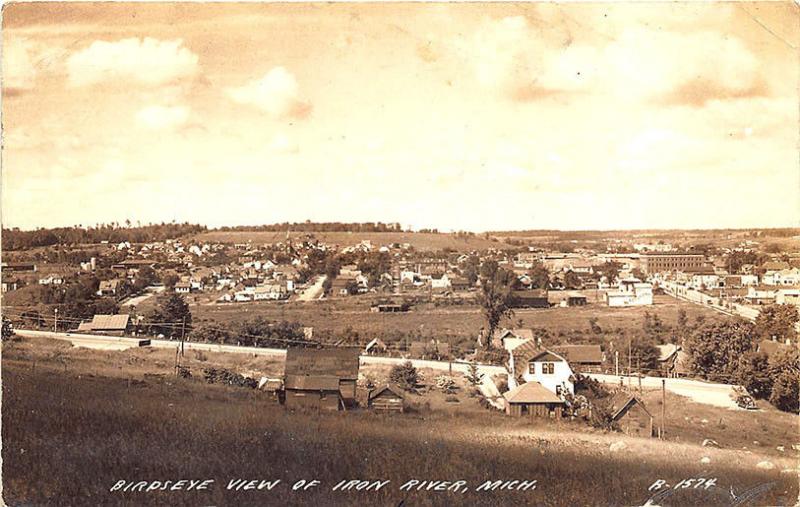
[715, 347]
[495, 297]
[785, 374]
[169, 314]
[572, 280]
[777, 322]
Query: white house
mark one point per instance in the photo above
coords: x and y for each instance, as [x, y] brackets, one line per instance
[441, 283]
[782, 277]
[760, 297]
[705, 281]
[788, 297]
[530, 363]
[270, 291]
[632, 292]
[242, 296]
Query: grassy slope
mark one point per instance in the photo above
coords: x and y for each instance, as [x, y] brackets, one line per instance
[337, 315]
[420, 241]
[68, 436]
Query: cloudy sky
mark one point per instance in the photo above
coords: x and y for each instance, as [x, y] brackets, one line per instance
[457, 116]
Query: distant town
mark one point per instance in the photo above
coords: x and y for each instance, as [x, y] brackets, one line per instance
[609, 331]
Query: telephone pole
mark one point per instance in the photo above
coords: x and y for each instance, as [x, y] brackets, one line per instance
[183, 333]
[639, 372]
[629, 363]
[663, 405]
[55, 321]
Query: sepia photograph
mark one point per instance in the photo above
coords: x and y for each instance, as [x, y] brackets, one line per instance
[400, 254]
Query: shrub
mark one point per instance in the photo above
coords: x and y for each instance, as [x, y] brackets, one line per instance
[473, 375]
[446, 384]
[405, 375]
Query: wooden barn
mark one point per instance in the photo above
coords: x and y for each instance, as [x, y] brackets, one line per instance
[631, 416]
[535, 298]
[312, 391]
[532, 399]
[387, 399]
[582, 358]
[322, 364]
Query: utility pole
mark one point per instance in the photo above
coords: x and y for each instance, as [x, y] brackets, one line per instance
[55, 321]
[639, 372]
[616, 362]
[629, 363]
[663, 405]
[183, 333]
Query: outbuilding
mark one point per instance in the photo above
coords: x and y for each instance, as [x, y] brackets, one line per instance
[387, 398]
[532, 399]
[322, 364]
[630, 415]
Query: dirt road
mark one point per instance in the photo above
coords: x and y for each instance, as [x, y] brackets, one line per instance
[314, 291]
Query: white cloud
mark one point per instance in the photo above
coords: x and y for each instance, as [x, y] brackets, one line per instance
[147, 61]
[276, 93]
[522, 61]
[18, 68]
[280, 143]
[162, 117]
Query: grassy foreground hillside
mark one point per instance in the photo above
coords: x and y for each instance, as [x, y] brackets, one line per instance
[69, 437]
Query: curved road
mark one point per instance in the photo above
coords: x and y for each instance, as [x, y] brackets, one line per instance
[718, 395]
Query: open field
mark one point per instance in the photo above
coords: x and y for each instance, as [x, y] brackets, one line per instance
[419, 240]
[71, 436]
[339, 315]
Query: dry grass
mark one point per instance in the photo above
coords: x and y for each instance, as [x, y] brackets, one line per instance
[69, 436]
[339, 315]
[68, 439]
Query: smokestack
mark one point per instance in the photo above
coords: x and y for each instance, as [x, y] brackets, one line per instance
[93, 263]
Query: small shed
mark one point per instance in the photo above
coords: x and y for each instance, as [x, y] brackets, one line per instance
[630, 415]
[532, 399]
[387, 398]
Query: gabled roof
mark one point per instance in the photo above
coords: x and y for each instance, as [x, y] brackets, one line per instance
[521, 333]
[531, 352]
[387, 387]
[338, 362]
[312, 382]
[110, 322]
[531, 392]
[581, 354]
[375, 343]
[622, 402]
[665, 352]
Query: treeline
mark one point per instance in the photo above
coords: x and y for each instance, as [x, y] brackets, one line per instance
[309, 226]
[16, 239]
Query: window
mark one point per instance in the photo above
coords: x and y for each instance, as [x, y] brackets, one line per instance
[548, 368]
[558, 390]
[532, 368]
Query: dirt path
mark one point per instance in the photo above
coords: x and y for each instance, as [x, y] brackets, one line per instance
[314, 291]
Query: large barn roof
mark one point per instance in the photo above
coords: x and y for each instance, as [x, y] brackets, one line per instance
[338, 362]
[110, 322]
[312, 382]
[580, 354]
